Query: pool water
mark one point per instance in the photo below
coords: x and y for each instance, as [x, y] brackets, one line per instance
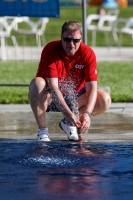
[31, 170]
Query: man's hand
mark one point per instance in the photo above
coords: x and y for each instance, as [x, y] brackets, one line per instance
[71, 119]
[85, 122]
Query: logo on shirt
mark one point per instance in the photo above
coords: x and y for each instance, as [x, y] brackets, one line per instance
[79, 66]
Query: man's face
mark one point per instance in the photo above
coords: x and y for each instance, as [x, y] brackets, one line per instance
[71, 41]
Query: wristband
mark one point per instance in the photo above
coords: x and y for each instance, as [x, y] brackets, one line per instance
[89, 113]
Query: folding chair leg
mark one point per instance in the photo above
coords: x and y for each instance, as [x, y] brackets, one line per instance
[120, 43]
[38, 40]
[44, 40]
[115, 36]
[3, 49]
[107, 39]
[17, 50]
[120, 40]
[93, 38]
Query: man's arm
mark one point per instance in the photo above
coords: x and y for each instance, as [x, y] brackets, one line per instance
[91, 96]
[59, 101]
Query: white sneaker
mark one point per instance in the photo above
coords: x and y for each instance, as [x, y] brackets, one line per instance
[71, 131]
[43, 134]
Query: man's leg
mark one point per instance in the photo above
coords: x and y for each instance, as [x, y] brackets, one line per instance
[102, 104]
[39, 99]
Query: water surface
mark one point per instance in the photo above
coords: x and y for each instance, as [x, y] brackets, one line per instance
[63, 169]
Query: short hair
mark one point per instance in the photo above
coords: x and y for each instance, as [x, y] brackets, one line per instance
[72, 25]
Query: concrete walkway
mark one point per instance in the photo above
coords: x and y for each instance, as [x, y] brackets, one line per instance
[17, 122]
[113, 53]
[118, 108]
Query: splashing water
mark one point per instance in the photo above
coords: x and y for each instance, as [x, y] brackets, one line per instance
[67, 87]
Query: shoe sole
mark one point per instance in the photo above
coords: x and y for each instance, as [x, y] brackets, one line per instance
[45, 139]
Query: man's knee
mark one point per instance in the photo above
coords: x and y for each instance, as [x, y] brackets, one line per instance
[105, 100]
[37, 85]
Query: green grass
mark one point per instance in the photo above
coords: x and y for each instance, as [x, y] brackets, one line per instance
[16, 73]
[117, 75]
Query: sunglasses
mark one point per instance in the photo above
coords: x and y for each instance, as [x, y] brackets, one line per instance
[71, 39]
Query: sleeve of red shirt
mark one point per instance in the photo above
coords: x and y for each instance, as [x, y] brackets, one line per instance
[47, 65]
[91, 65]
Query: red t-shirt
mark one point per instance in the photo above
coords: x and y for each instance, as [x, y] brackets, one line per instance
[72, 72]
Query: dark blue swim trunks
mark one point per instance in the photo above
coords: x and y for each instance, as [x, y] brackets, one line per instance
[52, 107]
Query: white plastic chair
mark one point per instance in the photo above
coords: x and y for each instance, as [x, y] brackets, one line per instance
[123, 26]
[34, 28]
[101, 23]
[6, 26]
